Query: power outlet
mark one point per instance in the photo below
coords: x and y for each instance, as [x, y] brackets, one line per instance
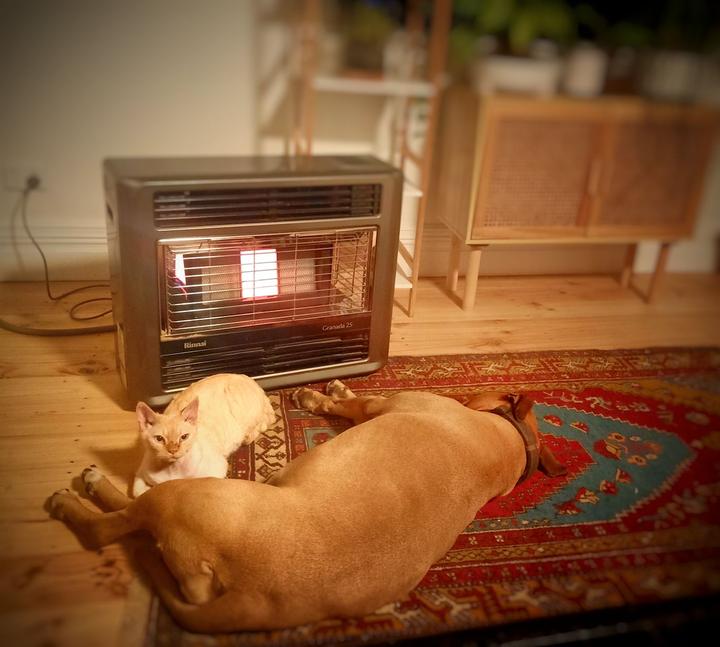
[14, 178]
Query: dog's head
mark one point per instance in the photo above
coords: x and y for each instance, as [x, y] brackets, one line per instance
[520, 407]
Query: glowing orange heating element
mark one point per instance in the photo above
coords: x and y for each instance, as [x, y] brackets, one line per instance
[259, 273]
[180, 269]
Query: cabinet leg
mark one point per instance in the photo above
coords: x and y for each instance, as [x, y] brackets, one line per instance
[454, 264]
[659, 271]
[627, 271]
[471, 278]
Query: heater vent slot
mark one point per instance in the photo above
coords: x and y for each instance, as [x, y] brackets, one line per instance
[196, 208]
[262, 358]
[214, 285]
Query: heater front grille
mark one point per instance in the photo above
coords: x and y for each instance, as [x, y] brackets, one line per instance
[198, 208]
[211, 285]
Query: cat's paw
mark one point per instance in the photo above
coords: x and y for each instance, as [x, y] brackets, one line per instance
[56, 502]
[90, 476]
[139, 487]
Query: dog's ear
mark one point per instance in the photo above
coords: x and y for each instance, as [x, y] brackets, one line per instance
[521, 405]
[549, 465]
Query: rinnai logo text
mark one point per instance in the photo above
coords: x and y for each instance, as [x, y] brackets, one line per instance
[195, 344]
[339, 326]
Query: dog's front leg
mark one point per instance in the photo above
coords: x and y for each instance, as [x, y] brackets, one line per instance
[313, 401]
[357, 409]
[338, 391]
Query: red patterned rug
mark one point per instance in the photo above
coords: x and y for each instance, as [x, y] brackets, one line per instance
[636, 519]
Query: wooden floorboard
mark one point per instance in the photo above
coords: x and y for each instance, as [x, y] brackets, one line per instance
[64, 408]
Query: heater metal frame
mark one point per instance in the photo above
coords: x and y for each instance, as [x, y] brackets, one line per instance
[135, 236]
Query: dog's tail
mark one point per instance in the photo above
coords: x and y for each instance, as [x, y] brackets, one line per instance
[230, 611]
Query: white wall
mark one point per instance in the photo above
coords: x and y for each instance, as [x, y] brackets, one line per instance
[86, 79]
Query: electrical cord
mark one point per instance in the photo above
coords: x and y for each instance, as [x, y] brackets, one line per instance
[31, 184]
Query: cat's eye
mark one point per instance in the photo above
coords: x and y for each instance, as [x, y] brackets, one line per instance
[184, 436]
[160, 439]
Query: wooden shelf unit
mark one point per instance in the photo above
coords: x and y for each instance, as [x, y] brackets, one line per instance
[402, 91]
[529, 170]
[375, 86]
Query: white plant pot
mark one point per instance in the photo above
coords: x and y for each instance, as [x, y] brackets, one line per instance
[585, 70]
[708, 88]
[516, 74]
[671, 75]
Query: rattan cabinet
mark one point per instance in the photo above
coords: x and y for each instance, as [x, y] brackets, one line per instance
[527, 170]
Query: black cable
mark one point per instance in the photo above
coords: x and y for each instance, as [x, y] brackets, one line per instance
[32, 183]
[23, 215]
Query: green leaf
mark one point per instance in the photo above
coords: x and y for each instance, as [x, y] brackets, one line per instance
[523, 31]
[494, 15]
[462, 47]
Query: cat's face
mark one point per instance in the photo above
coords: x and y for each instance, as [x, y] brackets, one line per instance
[170, 437]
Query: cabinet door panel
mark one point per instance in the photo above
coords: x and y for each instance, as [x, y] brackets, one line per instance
[654, 175]
[534, 177]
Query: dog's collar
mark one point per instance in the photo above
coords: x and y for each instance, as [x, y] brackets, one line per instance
[532, 448]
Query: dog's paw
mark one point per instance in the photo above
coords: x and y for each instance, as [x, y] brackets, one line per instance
[304, 398]
[338, 391]
[90, 476]
[56, 502]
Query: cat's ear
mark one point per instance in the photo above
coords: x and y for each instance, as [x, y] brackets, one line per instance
[145, 415]
[190, 412]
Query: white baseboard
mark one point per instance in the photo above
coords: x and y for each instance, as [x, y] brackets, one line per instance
[74, 253]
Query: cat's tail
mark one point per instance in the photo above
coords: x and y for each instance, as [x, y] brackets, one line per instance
[270, 415]
[266, 419]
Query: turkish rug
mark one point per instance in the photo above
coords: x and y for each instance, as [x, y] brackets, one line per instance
[635, 520]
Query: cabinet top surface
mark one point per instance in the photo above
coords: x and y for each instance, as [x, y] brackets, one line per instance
[613, 103]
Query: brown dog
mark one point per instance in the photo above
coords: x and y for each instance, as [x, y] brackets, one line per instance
[351, 525]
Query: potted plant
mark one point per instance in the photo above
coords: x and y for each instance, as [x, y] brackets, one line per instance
[367, 27]
[672, 69]
[520, 45]
[586, 62]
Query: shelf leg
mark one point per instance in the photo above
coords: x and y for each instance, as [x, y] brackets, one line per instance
[660, 264]
[627, 271]
[453, 264]
[471, 277]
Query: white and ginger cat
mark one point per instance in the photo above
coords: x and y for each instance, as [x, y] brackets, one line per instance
[200, 428]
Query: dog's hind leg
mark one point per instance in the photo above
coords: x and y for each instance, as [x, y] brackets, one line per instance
[95, 529]
[99, 486]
